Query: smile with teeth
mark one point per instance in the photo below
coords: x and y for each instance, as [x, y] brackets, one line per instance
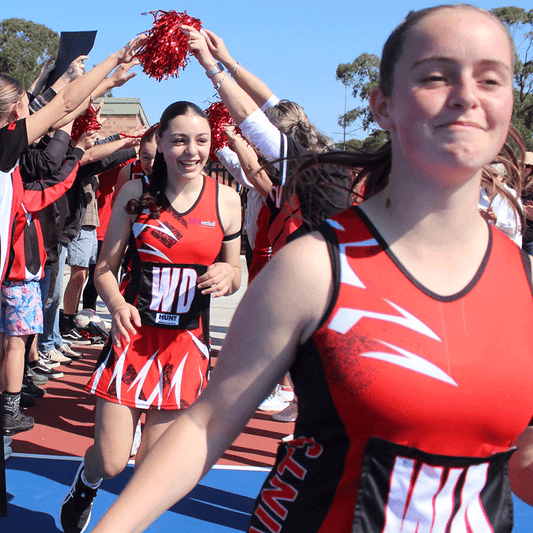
[189, 164]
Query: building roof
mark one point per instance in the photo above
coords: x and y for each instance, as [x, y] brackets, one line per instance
[124, 106]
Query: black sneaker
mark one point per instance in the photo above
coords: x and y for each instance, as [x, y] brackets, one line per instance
[76, 508]
[29, 387]
[26, 400]
[75, 337]
[13, 424]
[42, 369]
[38, 379]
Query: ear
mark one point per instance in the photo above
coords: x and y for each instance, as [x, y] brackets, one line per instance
[380, 105]
[17, 109]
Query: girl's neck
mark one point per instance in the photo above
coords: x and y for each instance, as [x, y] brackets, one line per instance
[181, 193]
[435, 231]
[429, 211]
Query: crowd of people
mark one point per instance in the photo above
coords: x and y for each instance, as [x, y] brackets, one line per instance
[369, 318]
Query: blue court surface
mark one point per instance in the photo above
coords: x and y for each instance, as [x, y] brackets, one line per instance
[36, 486]
[221, 503]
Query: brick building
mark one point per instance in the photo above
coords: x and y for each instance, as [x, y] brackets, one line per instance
[122, 115]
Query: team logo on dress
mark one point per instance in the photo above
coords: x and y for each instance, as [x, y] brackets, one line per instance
[203, 223]
[167, 319]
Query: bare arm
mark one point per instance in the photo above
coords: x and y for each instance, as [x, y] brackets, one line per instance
[117, 79]
[250, 165]
[281, 309]
[257, 89]
[101, 151]
[125, 317]
[238, 102]
[69, 98]
[122, 179]
[224, 277]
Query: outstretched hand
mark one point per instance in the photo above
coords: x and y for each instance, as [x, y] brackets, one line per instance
[127, 52]
[217, 47]
[47, 67]
[122, 74]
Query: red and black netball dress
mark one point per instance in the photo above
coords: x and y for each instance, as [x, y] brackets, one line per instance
[408, 401]
[165, 365]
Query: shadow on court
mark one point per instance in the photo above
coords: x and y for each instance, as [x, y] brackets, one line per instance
[37, 485]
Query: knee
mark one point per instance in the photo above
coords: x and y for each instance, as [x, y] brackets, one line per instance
[105, 465]
[113, 465]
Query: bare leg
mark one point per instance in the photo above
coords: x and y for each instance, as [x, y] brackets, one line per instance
[14, 362]
[156, 424]
[113, 435]
[71, 298]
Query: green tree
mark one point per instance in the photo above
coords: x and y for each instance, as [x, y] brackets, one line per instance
[24, 46]
[362, 75]
[520, 24]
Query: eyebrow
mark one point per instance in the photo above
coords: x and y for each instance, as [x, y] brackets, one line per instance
[491, 63]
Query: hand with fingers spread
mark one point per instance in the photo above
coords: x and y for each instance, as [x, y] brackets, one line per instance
[127, 52]
[122, 73]
[217, 280]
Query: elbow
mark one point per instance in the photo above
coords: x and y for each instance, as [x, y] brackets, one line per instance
[68, 105]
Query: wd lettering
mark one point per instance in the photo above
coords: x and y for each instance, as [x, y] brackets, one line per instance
[169, 282]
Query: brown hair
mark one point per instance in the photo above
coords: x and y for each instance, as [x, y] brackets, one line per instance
[290, 118]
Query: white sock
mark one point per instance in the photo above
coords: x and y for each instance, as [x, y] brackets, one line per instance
[91, 485]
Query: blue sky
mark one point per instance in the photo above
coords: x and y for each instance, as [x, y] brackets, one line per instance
[294, 46]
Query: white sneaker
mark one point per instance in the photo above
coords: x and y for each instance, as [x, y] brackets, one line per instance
[278, 399]
[67, 351]
[288, 414]
[57, 357]
[43, 358]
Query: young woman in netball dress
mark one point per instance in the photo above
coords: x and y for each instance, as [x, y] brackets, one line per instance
[412, 390]
[185, 230]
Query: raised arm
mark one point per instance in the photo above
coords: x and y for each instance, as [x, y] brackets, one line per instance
[238, 102]
[280, 309]
[252, 168]
[246, 113]
[256, 88]
[38, 84]
[69, 98]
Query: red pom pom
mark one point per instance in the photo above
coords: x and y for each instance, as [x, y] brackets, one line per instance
[219, 118]
[84, 123]
[166, 50]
